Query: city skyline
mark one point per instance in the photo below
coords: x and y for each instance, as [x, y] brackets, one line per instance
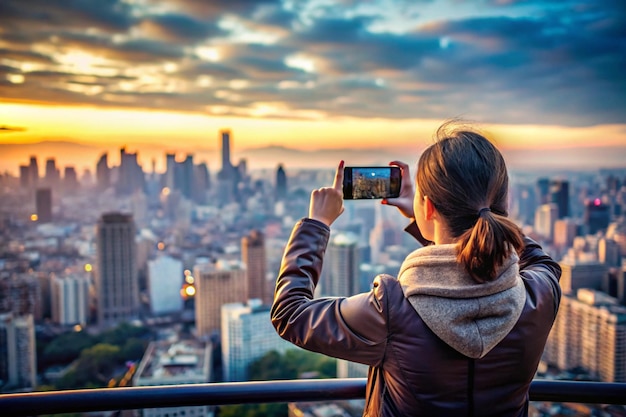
[311, 75]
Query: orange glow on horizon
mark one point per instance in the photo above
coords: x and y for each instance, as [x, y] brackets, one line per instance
[152, 133]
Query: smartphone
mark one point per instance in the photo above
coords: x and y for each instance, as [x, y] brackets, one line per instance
[364, 183]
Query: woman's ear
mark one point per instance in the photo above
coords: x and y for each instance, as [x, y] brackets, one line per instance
[429, 208]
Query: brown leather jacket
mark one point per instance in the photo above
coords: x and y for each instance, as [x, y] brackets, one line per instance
[437, 343]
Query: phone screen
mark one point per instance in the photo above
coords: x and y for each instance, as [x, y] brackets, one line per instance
[360, 183]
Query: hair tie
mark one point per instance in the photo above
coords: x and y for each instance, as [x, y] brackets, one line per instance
[480, 212]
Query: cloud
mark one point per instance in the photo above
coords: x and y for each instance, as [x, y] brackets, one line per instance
[502, 62]
[9, 129]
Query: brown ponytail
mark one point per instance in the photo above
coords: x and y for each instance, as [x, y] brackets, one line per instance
[466, 178]
[487, 245]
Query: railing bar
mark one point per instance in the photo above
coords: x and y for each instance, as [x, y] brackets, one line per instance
[128, 398]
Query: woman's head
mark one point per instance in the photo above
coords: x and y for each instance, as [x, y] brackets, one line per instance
[462, 173]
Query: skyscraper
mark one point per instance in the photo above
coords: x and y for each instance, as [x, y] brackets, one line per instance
[281, 183]
[131, 176]
[117, 286]
[253, 257]
[33, 171]
[226, 163]
[18, 370]
[226, 177]
[340, 274]
[559, 195]
[545, 217]
[170, 170]
[165, 279]
[52, 175]
[103, 172]
[43, 205]
[247, 334]
[597, 216]
[217, 283]
[543, 191]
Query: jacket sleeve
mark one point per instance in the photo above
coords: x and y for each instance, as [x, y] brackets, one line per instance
[352, 328]
[535, 265]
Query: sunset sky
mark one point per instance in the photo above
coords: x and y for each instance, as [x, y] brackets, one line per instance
[312, 75]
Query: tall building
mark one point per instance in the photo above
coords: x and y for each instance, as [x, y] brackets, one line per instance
[43, 205]
[18, 353]
[565, 230]
[184, 177]
[247, 334]
[170, 169]
[253, 257]
[165, 279]
[226, 162]
[117, 286]
[24, 176]
[202, 181]
[545, 217]
[20, 294]
[227, 176]
[589, 332]
[281, 183]
[52, 174]
[609, 253]
[103, 172]
[543, 191]
[559, 195]
[131, 176]
[340, 273]
[70, 299]
[175, 363]
[33, 171]
[70, 179]
[576, 275]
[217, 283]
[597, 216]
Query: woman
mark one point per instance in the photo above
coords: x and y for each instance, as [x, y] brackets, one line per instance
[461, 330]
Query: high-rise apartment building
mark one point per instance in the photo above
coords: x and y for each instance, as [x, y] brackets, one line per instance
[253, 257]
[43, 205]
[165, 279]
[20, 294]
[340, 273]
[18, 353]
[589, 332]
[70, 299]
[217, 283]
[175, 363]
[247, 334]
[117, 286]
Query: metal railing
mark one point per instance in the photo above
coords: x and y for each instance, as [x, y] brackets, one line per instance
[107, 399]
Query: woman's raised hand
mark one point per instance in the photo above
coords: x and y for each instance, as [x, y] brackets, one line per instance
[327, 202]
[404, 202]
